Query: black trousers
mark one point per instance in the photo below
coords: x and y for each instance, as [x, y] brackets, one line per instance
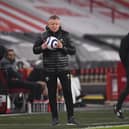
[65, 79]
[125, 92]
[35, 88]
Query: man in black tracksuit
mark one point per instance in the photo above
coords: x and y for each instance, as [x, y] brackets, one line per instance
[124, 56]
[55, 63]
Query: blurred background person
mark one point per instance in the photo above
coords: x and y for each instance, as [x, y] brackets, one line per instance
[36, 75]
[15, 78]
[2, 51]
[124, 56]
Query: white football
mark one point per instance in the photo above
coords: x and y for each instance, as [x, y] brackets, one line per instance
[52, 42]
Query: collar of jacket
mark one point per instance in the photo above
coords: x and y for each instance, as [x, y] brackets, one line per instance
[53, 33]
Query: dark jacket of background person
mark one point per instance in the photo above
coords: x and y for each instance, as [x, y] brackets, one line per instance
[10, 67]
[2, 51]
[124, 50]
[36, 75]
[55, 60]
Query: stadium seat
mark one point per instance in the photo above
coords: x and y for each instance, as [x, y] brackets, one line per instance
[13, 93]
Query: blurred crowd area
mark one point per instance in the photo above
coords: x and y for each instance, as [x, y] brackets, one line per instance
[96, 28]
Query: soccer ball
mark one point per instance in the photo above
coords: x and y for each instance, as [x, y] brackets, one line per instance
[52, 42]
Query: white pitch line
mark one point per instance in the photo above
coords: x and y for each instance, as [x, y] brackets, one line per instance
[107, 127]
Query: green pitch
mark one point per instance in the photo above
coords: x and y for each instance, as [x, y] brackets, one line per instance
[87, 119]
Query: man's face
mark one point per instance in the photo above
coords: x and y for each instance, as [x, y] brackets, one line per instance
[54, 24]
[11, 55]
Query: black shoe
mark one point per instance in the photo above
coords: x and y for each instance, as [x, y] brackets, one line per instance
[55, 121]
[118, 112]
[72, 121]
